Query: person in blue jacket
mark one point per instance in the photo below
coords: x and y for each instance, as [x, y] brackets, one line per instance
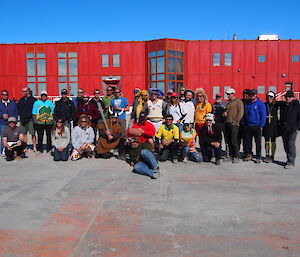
[8, 108]
[254, 121]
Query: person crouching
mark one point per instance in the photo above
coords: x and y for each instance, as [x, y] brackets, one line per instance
[82, 139]
[210, 139]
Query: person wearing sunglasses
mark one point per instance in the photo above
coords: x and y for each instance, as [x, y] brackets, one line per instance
[167, 139]
[106, 99]
[175, 108]
[25, 106]
[210, 140]
[291, 126]
[79, 98]
[60, 136]
[233, 115]
[8, 108]
[96, 100]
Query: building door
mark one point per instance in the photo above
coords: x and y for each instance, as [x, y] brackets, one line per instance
[288, 86]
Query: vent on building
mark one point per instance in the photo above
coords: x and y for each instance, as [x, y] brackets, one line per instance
[268, 37]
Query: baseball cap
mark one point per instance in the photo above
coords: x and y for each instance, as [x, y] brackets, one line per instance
[210, 116]
[174, 94]
[64, 91]
[289, 93]
[44, 92]
[253, 92]
[12, 119]
[136, 90]
[270, 93]
[230, 91]
[218, 95]
[246, 91]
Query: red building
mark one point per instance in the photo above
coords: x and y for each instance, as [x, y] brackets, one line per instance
[164, 63]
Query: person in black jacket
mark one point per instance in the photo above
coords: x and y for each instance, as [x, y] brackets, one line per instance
[25, 106]
[270, 131]
[291, 125]
[210, 139]
[65, 109]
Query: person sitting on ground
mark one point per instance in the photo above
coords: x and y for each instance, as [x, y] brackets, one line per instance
[187, 146]
[12, 139]
[142, 159]
[82, 139]
[60, 137]
[210, 139]
[110, 133]
[167, 139]
[143, 130]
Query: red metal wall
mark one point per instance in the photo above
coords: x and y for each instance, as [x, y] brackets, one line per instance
[245, 71]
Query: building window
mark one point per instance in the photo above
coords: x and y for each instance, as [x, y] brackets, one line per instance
[261, 89]
[273, 89]
[175, 70]
[105, 62]
[68, 72]
[36, 72]
[116, 60]
[216, 59]
[261, 58]
[216, 90]
[295, 58]
[156, 69]
[227, 59]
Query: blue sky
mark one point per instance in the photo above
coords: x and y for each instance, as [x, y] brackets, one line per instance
[91, 20]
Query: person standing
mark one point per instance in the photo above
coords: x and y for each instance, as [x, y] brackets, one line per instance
[270, 129]
[255, 119]
[107, 99]
[233, 114]
[167, 138]
[8, 108]
[203, 107]
[65, 109]
[291, 125]
[96, 100]
[188, 106]
[155, 109]
[25, 106]
[79, 98]
[246, 97]
[60, 136]
[43, 111]
[175, 108]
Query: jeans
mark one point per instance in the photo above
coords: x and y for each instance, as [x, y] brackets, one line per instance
[40, 132]
[289, 143]
[61, 156]
[193, 156]
[231, 136]
[2, 127]
[147, 163]
[209, 150]
[250, 132]
[171, 148]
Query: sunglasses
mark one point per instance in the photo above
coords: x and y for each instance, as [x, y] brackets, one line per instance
[200, 96]
[24, 91]
[4, 94]
[109, 90]
[83, 121]
[97, 93]
[80, 92]
[117, 92]
[169, 119]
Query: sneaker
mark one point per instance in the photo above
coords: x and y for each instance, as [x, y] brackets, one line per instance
[24, 156]
[217, 162]
[155, 175]
[236, 160]
[258, 160]
[227, 159]
[267, 159]
[184, 160]
[288, 166]
[248, 158]
[175, 161]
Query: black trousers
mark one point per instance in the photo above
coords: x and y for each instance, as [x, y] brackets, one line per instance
[18, 149]
[232, 137]
[171, 148]
[289, 143]
[251, 132]
[209, 150]
[40, 132]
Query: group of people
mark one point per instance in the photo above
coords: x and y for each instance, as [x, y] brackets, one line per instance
[161, 127]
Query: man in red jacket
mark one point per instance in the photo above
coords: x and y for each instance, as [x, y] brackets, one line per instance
[143, 130]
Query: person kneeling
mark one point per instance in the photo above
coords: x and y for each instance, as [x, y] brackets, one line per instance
[187, 146]
[12, 138]
[60, 137]
[82, 139]
[167, 138]
[142, 159]
[210, 139]
[110, 133]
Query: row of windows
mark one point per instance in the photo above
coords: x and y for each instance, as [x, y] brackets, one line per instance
[106, 61]
[228, 59]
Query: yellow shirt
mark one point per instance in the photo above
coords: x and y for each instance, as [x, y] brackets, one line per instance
[200, 112]
[168, 133]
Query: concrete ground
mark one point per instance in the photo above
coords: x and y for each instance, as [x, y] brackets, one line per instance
[100, 208]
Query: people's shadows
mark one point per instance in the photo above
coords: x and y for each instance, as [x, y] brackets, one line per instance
[280, 163]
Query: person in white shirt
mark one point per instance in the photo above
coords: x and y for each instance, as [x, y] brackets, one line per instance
[189, 107]
[175, 108]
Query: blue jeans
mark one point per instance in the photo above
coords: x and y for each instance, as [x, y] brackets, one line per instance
[147, 163]
[61, 156]
[2, 127]
[192, 156]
